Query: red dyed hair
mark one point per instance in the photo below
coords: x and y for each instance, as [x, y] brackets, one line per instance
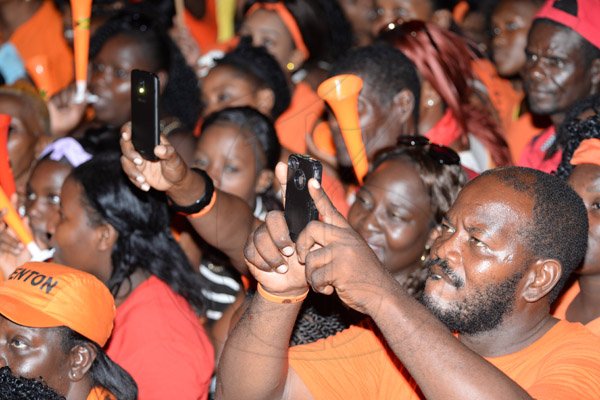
[444, 60]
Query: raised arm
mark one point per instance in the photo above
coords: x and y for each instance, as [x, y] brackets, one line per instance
[227, 223]
[441, 365]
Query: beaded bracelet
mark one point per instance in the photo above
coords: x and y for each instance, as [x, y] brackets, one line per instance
[280, 299]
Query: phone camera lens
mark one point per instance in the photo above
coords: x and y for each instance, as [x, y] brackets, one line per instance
[294, 163]
[299, 179]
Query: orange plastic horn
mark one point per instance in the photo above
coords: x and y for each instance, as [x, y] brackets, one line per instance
[81, 11]
[341, 93]
[15, 223]
[7, 181]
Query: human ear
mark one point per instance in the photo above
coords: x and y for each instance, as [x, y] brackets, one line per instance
[542, 278]
[295, 61]
[265, 101]
[81, 358]
[442, 18]
[107, 237]
[403, 106]
[264, 181]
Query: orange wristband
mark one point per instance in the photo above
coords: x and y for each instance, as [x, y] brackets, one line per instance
[280, 299]
[206, 209]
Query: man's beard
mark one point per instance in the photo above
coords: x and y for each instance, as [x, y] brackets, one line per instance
[480, 312]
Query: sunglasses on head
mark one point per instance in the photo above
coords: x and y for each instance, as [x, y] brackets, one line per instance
[441, 154]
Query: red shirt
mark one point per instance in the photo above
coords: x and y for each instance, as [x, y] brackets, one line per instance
[160, 341]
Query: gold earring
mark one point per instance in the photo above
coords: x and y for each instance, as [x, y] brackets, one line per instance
[290, 66]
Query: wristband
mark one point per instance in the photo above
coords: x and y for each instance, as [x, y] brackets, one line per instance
[280, 299]
[206, 209]
[202, 202]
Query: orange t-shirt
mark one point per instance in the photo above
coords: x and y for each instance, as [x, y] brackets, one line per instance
[505, 99]
[520, 133]
[299, 119]
[563, 364]
[99, 393]
[564, 301]
[41, 43]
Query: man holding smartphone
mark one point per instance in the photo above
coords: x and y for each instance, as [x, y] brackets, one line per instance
[495, 269]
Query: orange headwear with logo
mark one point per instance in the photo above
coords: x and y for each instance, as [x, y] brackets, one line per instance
[48, 295]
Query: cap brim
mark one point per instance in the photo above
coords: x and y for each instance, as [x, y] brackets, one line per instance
[22, 313]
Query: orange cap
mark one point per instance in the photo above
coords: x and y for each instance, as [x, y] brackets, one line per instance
[588, 152]
[47, 295]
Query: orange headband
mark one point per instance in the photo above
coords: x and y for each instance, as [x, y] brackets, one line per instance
[588, 152]
[288, 20]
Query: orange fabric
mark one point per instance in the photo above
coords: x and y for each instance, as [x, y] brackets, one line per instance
[446, 131]
[533, 155]
[42, 36]
[160, 341]
[563, 364]
[288, 20]
[99, 393]
[519, 134]
[299, 119]
[563, 303]
[322, 138]
[505, 99]
[588, 152]
[204, 31]
[43, 295]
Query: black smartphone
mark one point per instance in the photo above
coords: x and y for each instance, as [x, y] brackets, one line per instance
[300, 208]
[145, 128]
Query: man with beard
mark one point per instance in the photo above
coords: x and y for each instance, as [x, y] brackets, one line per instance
[506, 248]
[562, 68]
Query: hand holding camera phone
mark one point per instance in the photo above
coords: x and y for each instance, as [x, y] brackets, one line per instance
[300, 208]
[145, 128]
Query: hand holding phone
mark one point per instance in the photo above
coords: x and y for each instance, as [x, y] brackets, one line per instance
[145, 128]
[300, 208]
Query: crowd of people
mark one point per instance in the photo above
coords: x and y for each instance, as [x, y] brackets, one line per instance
[461, 262]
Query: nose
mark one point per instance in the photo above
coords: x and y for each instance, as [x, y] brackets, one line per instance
[535, 71]
[215, 174]
[446, 246]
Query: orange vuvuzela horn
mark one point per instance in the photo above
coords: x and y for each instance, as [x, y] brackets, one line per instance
[341, 93]
[15, 223]
[81, 11]
[7, 181]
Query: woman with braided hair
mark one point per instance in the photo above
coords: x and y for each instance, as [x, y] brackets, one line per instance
[580, 166]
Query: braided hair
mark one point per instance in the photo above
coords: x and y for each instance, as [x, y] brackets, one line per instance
[142, 222]
[574, 130]
[259, 66]
[181, 96]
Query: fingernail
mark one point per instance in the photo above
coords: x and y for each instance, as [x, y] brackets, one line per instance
[315, 183]
[145, 187]
[137, 161]
[140, 179]
[282, 269]
[287, 251]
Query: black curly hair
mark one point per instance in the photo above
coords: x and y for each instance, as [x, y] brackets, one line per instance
[259, 66]
[141, 220]
[17, 388]
[181, 96]
[574, 131]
